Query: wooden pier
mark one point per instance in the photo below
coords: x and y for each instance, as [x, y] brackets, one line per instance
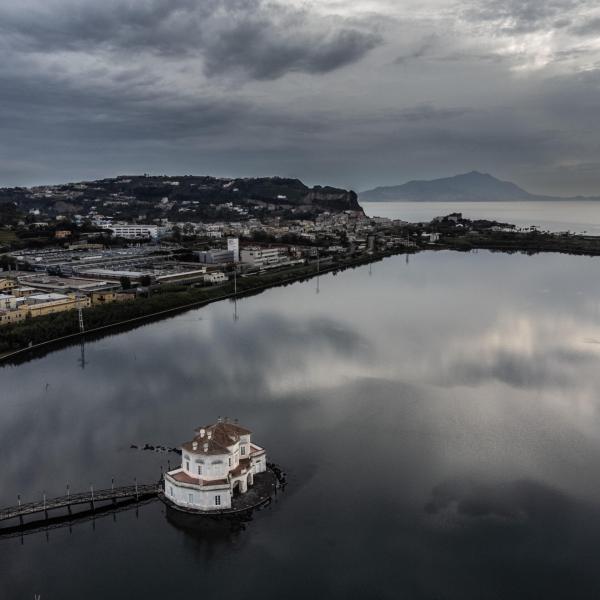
[47, 508]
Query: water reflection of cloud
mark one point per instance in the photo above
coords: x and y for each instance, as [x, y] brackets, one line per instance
[514, 500]
[522, 352]
[451, 369]
[85, 416]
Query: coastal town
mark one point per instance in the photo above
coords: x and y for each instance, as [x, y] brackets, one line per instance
[114, 250]
[80, 246]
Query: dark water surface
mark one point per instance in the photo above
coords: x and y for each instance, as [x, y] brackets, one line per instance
[438, 421]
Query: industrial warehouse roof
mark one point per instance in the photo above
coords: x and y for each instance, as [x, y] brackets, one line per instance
[55, 283]
[47, 297]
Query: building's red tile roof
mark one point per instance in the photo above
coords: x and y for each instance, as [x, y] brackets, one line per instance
[244, 464]
[222, 436]
[183, 477]
[205, 446]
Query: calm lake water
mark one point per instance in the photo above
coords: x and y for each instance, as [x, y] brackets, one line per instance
[438, 420]
[577, 216]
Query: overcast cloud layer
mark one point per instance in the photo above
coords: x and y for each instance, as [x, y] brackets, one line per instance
[356, 94]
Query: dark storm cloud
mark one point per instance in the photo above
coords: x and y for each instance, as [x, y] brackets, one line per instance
[247, 87]
[252, 47]
[95, 112]
[261, 39]
[429, 112]
[422, 49]
[589, 27]
[571, 97]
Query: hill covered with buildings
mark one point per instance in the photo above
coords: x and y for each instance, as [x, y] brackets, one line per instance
[156, 199]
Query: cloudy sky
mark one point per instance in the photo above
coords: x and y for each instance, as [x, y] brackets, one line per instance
[353, 93]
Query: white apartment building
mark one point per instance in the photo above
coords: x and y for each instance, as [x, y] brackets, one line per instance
[131, 231]
[263, 257]
[233, 245]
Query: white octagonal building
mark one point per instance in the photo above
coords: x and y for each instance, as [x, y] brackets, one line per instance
[217, 464]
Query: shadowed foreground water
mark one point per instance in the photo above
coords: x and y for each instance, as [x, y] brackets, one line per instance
[438, 422]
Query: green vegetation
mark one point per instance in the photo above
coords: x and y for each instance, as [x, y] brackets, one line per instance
[125, 282]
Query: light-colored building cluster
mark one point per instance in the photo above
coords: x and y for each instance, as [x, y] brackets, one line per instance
[22, 302]
[264, 257]
[219, 463]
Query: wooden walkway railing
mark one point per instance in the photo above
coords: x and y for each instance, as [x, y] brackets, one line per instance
[91, 498]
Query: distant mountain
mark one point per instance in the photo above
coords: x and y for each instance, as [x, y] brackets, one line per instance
[469, 187]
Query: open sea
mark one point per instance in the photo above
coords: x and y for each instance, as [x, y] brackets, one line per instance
[576, 216]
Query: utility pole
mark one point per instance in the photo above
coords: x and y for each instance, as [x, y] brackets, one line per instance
[80, 315]
[81, 331]
[235, 313]
[318, 270]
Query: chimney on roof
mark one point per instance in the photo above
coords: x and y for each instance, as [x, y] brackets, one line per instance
[202, 432]
[219, 420]
[209, 434]
[194, 445]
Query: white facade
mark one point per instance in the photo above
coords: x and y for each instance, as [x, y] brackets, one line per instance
[130, 231]
[215, 278]
[260, 257]
[233, 245]
[8, 302]
[219, 462]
